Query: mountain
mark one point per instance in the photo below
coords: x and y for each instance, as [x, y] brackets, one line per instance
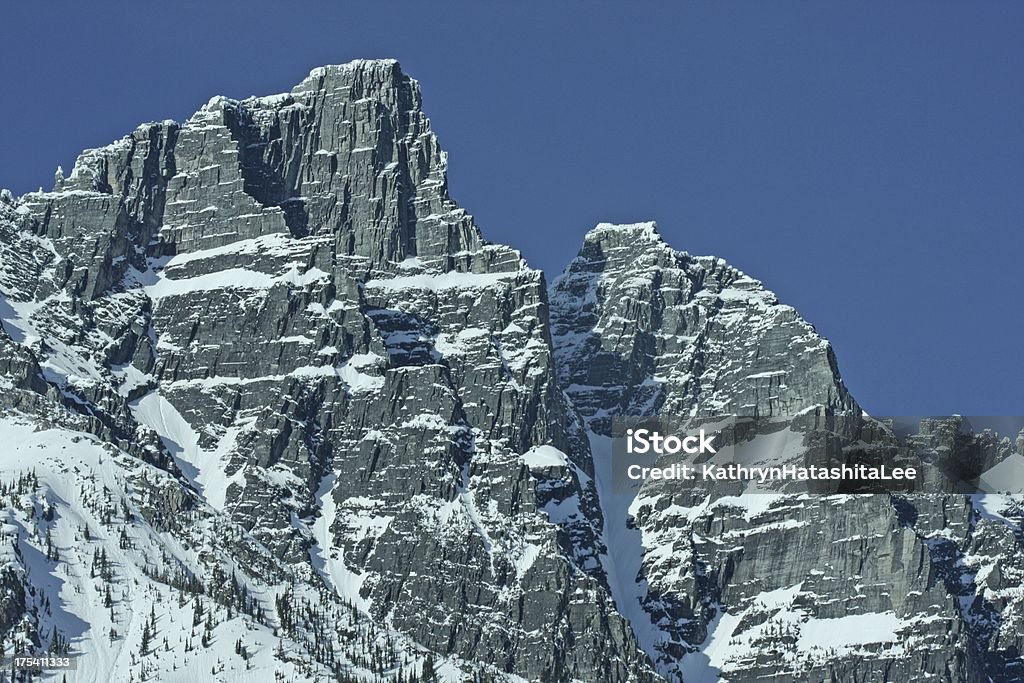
[275, 410]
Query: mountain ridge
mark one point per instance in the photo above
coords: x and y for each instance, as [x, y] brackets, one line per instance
[332, 422]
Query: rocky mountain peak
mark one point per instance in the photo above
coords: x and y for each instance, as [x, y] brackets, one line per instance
[641, 329]
[347, 153]
[644, 230]
[362, 78]
[259, 373]
[619, 243]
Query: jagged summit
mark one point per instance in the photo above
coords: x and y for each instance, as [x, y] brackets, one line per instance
[644, 231]
[355, 65]
[380, 79]
[647, 229]
[384, 64]
[348, 152]
[642, 329]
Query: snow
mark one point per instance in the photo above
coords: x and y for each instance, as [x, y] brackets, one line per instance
[849, 632]
[427, 421]
[767, 375]
[468, 500]
[545, 456]
[16, 317]
[756, 297]
[360, 518]
[411, 263]
[81, 477]
[214, 478]
[705, 665]
[238, 278]
[779, 598]
[131, 378]
[441, 281]
[563, 511]
[206, 470]
[459, 343]
[62, 364]
[816, 639]
[51, 453]
[351, 372]
[625, 548]
[160, 286]
[85, 479]
[321, 71]
[303, 278]
[991, 506]
[327, 556]
[529, 555]
[357, 381]
[752, 504]
[646, 229]
[274, 243]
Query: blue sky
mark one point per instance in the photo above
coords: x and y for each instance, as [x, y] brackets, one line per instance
[865, 160]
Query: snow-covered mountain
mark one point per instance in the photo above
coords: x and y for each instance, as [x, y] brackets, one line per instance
[273, 409]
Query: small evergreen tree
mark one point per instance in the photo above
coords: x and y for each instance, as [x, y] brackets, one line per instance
[429, 674]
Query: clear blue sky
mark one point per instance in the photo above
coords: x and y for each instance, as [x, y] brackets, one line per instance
[865, 160]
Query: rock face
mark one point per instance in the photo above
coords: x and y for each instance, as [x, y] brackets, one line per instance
[854, 587]
[274, 386]
[642, 329]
